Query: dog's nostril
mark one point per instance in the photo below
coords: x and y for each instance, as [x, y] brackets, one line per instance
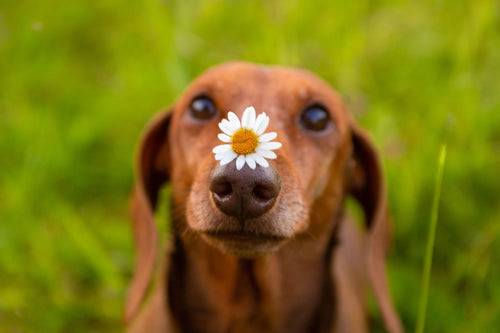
[222, 189]
[263, 193]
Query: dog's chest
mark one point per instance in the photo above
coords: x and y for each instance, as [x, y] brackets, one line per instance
[240, 304]
[220, 304]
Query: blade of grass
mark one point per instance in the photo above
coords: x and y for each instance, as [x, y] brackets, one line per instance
[430, 243]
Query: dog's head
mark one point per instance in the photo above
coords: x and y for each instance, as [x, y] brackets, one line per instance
[251, 212]
[324, 157]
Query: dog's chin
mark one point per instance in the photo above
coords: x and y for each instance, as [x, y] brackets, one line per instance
[244, 244]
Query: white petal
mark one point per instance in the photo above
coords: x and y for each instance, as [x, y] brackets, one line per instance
[248, 119]
[221, 149]
[225, 126]
[233, 119]
[230, 155]
[261, 124]
[266, 153]
[268, 137]
[240, 162]
[224, 138]
[222, 156]
[250, 161]
[260, 160]
[270, 145]
[259, 120]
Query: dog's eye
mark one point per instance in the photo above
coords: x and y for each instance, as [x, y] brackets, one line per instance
[315, 118]
[202, 107]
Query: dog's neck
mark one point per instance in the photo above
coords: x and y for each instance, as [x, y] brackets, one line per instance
[211, 291]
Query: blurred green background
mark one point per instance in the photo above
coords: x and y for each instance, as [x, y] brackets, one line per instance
[80, 79]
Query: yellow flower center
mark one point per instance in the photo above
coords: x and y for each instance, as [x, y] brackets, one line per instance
[244, 141]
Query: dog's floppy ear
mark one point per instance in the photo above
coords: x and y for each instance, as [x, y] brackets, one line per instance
[152, 171]
[368, 187]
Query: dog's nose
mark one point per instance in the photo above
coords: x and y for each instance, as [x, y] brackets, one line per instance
[244, 193]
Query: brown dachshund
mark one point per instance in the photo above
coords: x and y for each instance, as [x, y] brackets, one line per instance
[266, 249]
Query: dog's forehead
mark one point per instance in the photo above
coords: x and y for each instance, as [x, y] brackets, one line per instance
[237, 85]
[252, 78]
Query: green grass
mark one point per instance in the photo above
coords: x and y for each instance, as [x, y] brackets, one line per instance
[431, 238]
[79, 80]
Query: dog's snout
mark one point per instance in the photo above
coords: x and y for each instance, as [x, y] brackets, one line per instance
[244, 193]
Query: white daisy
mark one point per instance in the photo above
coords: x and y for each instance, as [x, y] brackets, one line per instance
[245, 141]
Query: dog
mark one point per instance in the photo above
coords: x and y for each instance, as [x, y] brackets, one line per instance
[269, 249]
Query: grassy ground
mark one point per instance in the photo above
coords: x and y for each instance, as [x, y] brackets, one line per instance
[79, 79]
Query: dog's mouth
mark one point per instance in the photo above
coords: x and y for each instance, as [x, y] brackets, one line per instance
[244, 244]
[241, 236]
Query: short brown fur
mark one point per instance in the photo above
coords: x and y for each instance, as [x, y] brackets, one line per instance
[315, 279]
